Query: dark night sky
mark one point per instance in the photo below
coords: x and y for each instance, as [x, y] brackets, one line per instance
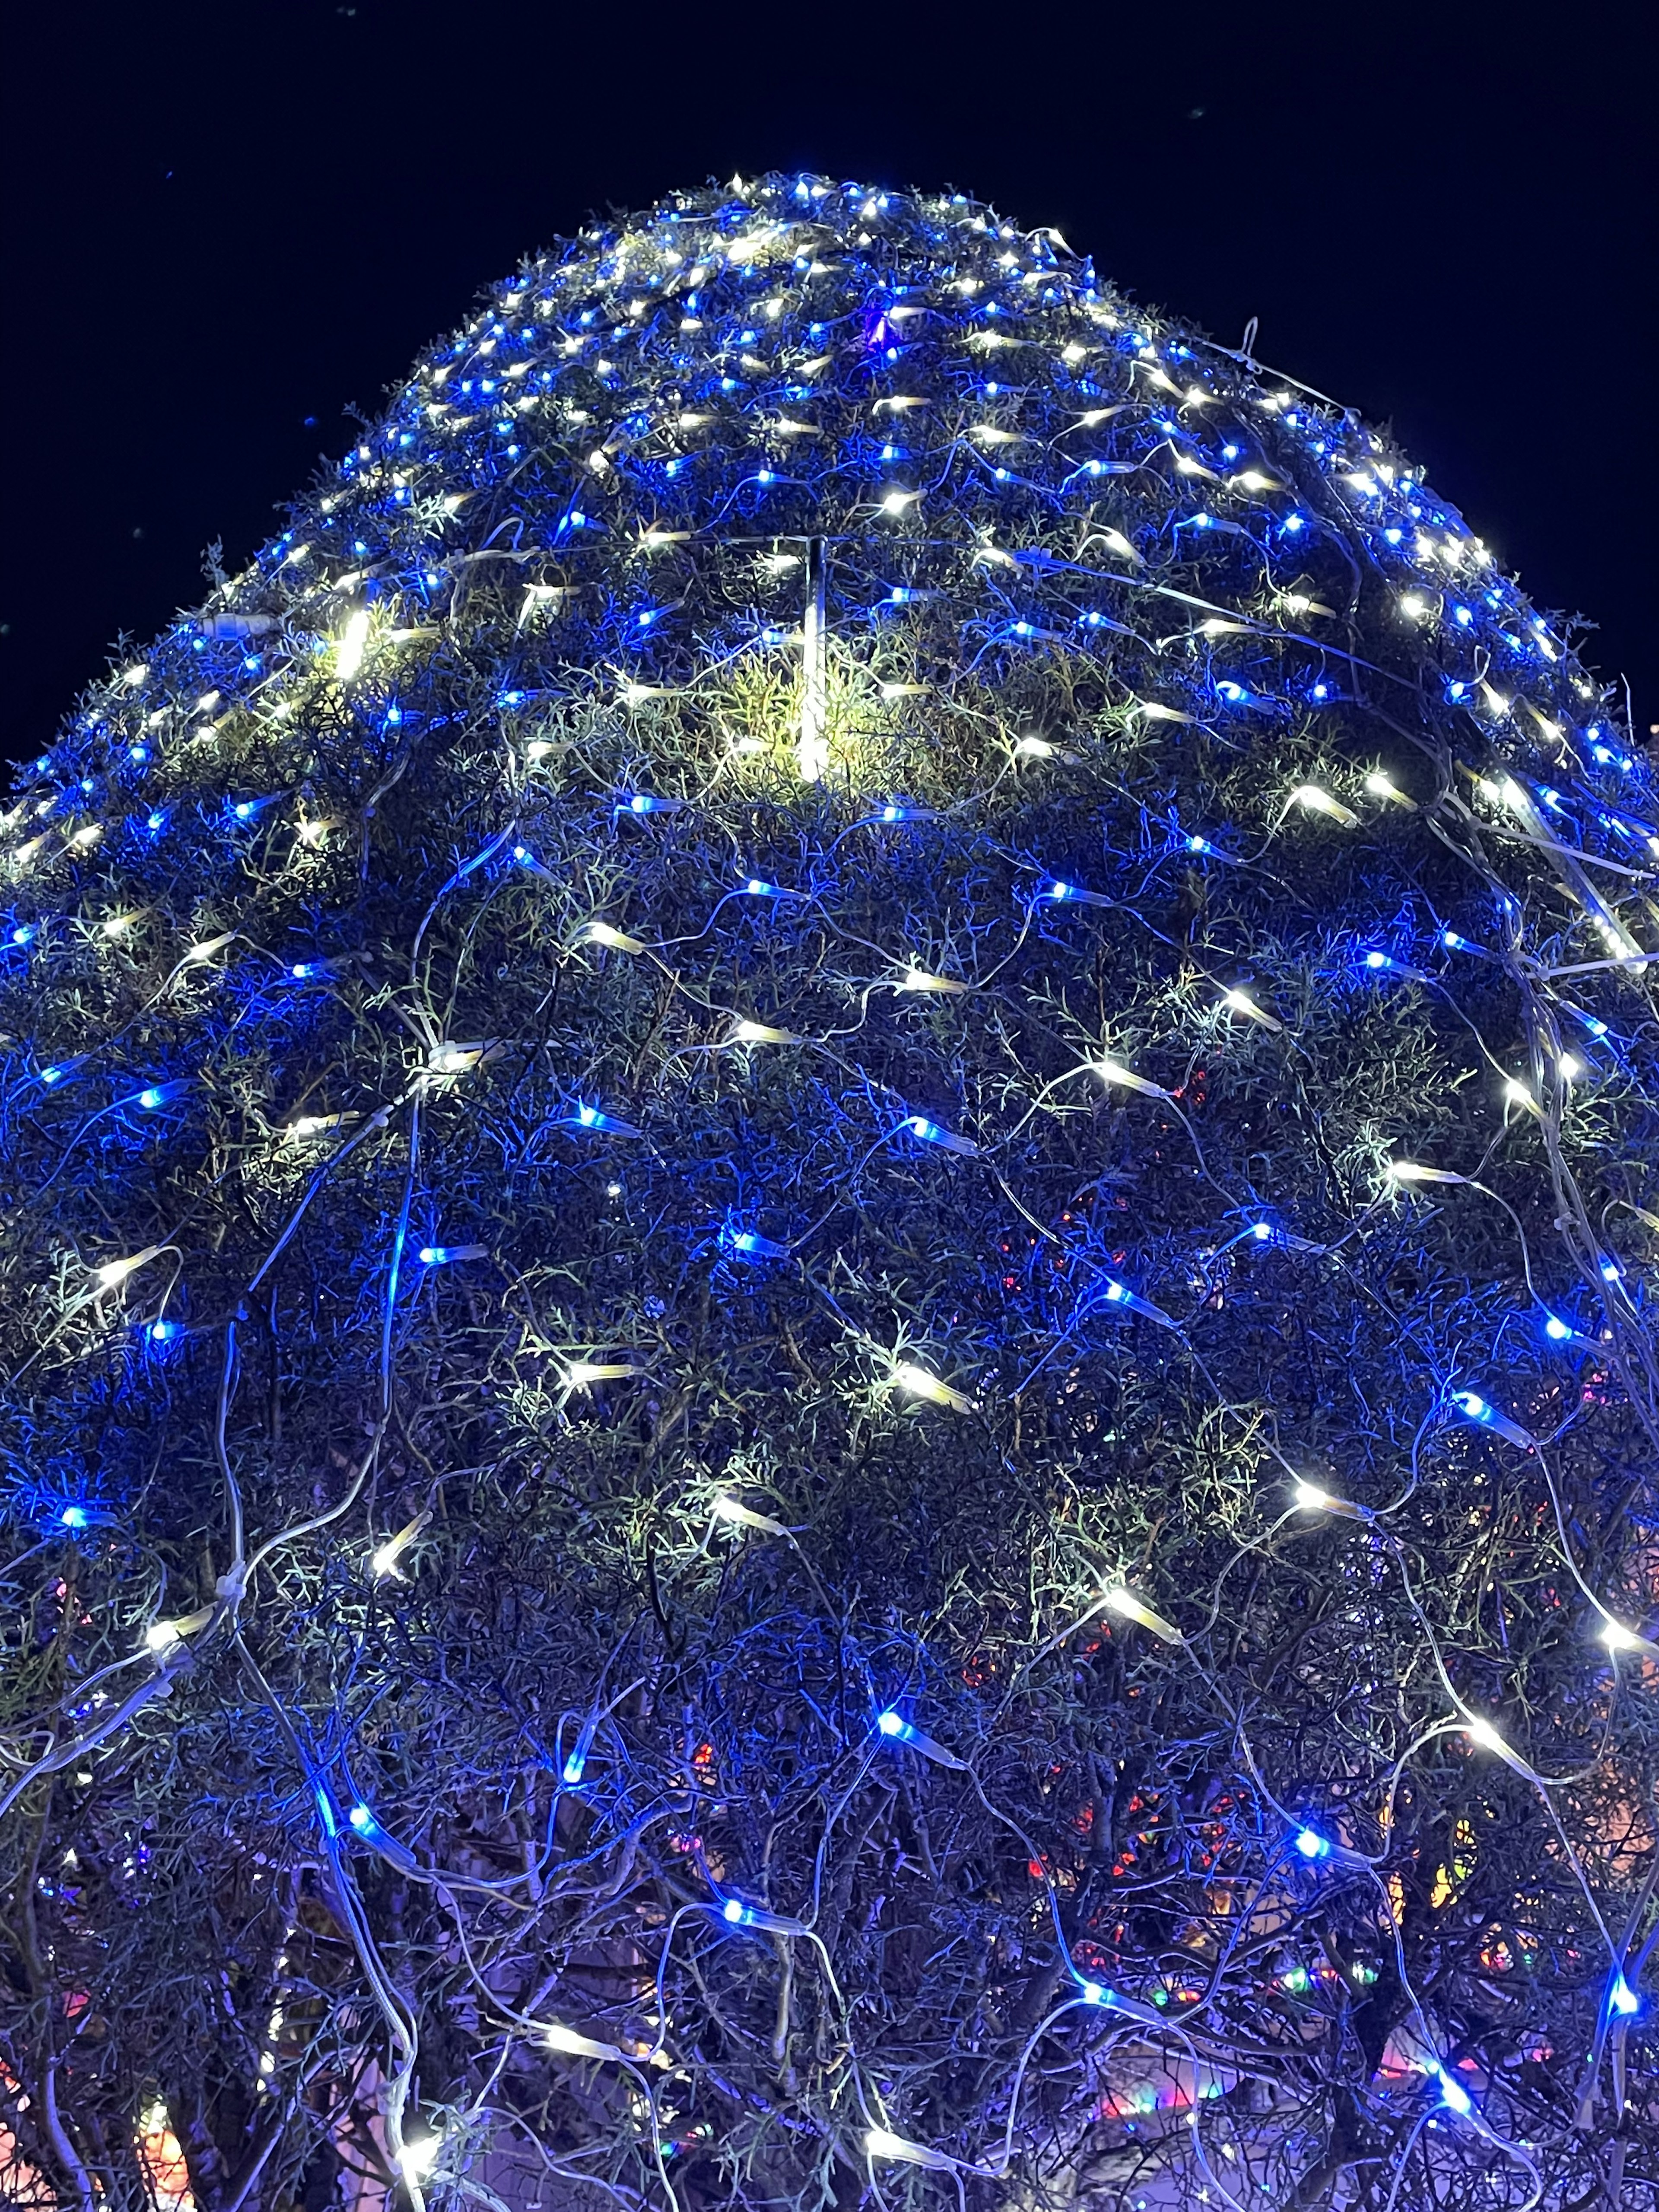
[224, 224]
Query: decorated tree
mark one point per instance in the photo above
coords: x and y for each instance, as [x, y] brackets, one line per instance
[827, 1226]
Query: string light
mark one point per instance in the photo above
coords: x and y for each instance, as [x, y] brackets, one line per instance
[917, 1383]
[353, 643]
[881, 2142]
[1128, 1606]
[1112, 1072]
[1313, 800]
[729, 1509]
[362, 885]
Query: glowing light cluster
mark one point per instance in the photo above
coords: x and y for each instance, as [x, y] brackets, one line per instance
[827, 1232]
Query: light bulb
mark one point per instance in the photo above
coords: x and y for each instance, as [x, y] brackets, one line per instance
[735, 1513]
[882, 2142]
[1317, 801]
[417, 2159]
[1128, 1607]
[567, 2040]
[917, 1383]
[1241, 1002]
[352, 645]
[1113, 1071]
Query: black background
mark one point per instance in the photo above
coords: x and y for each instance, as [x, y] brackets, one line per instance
[225, 225]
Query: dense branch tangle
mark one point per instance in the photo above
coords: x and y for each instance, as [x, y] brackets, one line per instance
[737, 1476]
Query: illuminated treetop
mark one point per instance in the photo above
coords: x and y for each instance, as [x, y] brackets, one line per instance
[825, 1237]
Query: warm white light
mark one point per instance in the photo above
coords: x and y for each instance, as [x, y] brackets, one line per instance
[1128, 1607]
[117, 1270]
[737, 1515]
[305, 1126]
[1241, 1002]
[581, 1373]
[417, 2159]
[1384, 786]
[1111, 1071]
[615, 940]
[454, 1059]
[353, 643]
[881, 2142]
[919, 1383]
[577, 2046]
[1317, 801]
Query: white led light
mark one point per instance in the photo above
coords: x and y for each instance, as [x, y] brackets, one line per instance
[1315, 800]
[918, 1383]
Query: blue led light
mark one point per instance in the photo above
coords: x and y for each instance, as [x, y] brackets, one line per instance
[1312, 1845]
[750, 1245]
